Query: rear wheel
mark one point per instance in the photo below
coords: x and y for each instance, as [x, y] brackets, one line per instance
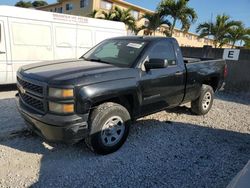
[203, 104]
[109, 128]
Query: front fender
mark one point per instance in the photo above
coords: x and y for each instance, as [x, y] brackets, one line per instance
[103, 91]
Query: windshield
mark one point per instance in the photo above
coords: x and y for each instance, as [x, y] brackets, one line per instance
[117, 52]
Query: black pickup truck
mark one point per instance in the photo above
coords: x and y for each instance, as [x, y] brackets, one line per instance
[119, 80]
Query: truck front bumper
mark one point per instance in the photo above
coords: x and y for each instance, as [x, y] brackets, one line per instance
[55, 128]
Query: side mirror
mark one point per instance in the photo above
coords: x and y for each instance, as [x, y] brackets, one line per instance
[156, 64]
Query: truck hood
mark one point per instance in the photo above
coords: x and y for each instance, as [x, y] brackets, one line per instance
[69, 71]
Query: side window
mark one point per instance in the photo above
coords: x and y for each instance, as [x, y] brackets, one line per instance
[163, 50]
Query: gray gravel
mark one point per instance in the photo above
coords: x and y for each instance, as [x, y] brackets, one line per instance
[10, 120]
[166, 149]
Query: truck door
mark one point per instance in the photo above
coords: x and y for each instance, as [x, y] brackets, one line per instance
[163, 87]
[3, 54]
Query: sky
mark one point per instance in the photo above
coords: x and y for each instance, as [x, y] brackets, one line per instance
[236, 9]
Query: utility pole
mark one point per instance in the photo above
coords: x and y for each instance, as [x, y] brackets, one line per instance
[210, 28]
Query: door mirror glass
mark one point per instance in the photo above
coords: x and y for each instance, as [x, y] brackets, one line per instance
[156, 64]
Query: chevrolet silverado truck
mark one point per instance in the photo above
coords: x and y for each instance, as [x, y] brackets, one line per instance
[96, 97]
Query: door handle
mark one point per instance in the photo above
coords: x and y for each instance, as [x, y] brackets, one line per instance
[179, 73]
[2, 52]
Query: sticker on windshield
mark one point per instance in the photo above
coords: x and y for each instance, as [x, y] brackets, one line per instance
[134, 45]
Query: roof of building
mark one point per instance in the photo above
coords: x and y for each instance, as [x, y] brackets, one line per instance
[49, 5]
[115, 1]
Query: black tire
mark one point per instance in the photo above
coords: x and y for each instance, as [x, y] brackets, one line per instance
[199, 106]
[100, 116]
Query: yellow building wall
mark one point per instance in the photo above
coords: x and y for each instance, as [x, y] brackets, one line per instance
[77, 10]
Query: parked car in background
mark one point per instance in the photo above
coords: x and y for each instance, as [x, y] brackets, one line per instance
[28, 36]
[119, 80]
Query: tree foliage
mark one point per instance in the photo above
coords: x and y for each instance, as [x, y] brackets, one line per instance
[125, 16]
[116, 14]
[154, 21]
[29, 4]
[24, 4]
[219, 29]
[39, 3]
[247, 44]
[93, 14]
[178, 11]
[238, 33]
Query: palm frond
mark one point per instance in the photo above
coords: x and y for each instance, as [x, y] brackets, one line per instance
[179, 11]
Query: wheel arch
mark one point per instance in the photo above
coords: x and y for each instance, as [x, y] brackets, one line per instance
[212, 81]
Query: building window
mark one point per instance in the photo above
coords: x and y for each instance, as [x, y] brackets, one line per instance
[69, 6]
[84, 3]
[60, 10]
[135, 14]
[55, 10]
[51, 10]
[106, 5]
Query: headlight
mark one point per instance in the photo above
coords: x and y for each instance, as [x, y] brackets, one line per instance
[61, 108]
[61, 93]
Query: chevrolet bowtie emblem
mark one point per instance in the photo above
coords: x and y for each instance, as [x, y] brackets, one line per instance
[22, 90]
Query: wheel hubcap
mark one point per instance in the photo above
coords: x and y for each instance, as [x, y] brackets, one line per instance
[206, 100]
[112, 131]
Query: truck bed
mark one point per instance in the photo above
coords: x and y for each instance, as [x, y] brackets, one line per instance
[202, 70]
[195, 60]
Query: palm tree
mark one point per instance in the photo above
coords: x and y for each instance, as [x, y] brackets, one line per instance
[179, 11]
[120, 15]
[238, 33]
[107, 15]
[247, 44]
[137, 29]
[154, 21]
[218, 29]
[93, 14]
[125, 16]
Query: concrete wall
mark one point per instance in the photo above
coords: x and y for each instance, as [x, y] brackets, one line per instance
[238, 79]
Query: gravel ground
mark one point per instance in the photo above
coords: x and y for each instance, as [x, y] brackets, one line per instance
[10, 120]
[166, 149]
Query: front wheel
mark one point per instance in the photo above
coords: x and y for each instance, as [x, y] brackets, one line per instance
[203, 104]
[109, 128]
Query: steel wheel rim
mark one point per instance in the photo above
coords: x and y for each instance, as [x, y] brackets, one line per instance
[206, 101]
[112, 131]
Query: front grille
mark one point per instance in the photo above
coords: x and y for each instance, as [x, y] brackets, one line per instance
[30, 86]
[33, 102]
[31, 94]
